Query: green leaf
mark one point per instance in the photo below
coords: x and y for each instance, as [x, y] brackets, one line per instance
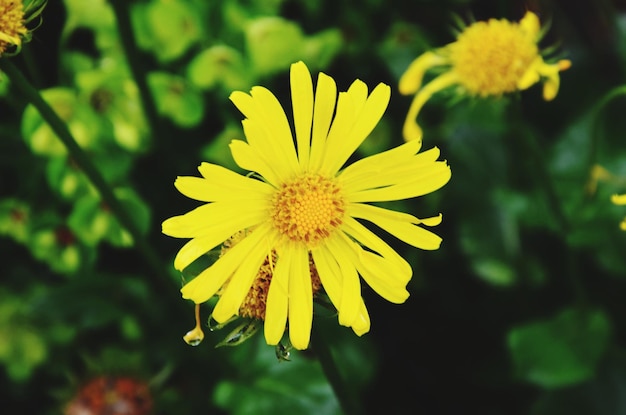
[176, 99]
[166, 28]
[273, 44]
[92, 221]
[321, 48]
[602, 395]
[560, 351]
[114, 96]
[220, 65]
[15, 219]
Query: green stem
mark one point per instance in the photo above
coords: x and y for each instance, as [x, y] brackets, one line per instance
[321, 347]
[595, 135]
[137, 69]
[81, 159]
[554, 203]
[545, 180]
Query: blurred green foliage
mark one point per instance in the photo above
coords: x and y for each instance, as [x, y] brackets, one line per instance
[521, 311]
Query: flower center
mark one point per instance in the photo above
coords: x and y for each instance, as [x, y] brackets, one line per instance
[491, 57]
[308, 209]
[11, 23]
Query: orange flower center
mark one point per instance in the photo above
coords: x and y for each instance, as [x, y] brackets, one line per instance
[308, 209]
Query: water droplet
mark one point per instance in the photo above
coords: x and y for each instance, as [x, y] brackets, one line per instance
[283, 352]
[194, 337]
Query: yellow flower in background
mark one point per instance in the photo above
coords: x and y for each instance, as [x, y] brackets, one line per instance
[620, 200]
[489, 58]
[293, 227]
[14, 16]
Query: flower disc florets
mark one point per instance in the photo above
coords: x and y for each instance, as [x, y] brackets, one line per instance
[308, 208]
[491, 57]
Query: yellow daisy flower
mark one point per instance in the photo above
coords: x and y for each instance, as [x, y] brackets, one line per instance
[14, 16]
[489, 58]
[294, 225]
[620, 200]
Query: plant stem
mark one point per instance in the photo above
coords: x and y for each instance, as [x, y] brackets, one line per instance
[137, 69]
[82, 160]
[554, 203]
[595, 133]
[546, 182]
[322, 350]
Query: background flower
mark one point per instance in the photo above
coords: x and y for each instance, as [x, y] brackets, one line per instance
[489, 58]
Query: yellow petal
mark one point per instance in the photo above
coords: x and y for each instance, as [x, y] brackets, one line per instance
[358, 95]
[373, 242]
[531, 76]
[622, 225]
[259, 139]
[367, 118]
[360, 210]
[381, 275]
[247, 158]
[433, 221]
[239, 285]
[300, 299]
[551, 85]
[530, 24]
[411, 130]
[14, 40]
[272, 134]
[272, 117]
[302, 103]
[384, 172]
[324, 108]
[197, 247]
[356, 176]
[206, 284]
[217, 217]
[619, 199]
[428, 181]
[227, 179]
[278, 298]
[329, 273]
[411, 79]
[402, 229]
[340, 128]
[243, 102]
[343, 250]
[362, 323]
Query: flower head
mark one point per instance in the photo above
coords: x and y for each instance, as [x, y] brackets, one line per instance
[14, 17]
[489, 58]
[292, 230]
[620, 200]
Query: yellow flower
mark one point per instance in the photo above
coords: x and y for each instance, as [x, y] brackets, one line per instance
[298, 216]
[620, 200]
[14, 16]
[489, 58]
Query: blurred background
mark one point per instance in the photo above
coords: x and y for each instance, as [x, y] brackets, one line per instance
[521, 311]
